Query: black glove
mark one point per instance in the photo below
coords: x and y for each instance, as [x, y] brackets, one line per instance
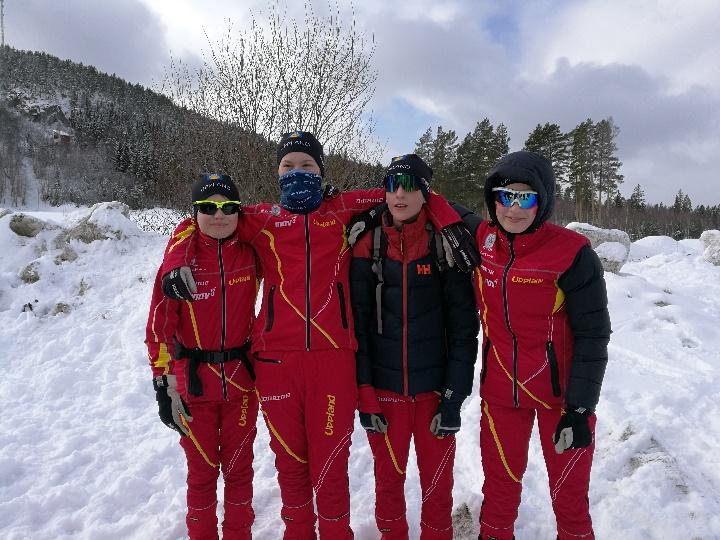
[170, 405]
[573, 430]
[462, 246]
[179, 284]
[447, 418]
[373, 422]
[364, 222]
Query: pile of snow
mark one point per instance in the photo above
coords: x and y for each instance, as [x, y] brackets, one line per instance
[711, 244]
[84, 455]
[611, 245]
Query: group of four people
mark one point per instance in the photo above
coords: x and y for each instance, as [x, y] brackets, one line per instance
[387, 327]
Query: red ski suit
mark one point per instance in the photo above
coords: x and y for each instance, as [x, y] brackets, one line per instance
[527, 355]
[304, 343]
[427, 342]
[223, 429]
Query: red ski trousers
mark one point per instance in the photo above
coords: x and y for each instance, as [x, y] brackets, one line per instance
[504, 441]
[308, 402]
[221, 439]
[410, 419]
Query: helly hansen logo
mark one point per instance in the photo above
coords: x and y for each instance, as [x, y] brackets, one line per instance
[243, 411]
[329, 425]
[528, 280]
[424, 269]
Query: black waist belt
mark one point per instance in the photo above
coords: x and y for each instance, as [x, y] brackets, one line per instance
[198, 356]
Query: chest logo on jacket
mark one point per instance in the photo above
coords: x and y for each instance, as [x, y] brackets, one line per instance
[204, 295]
[286, 223]
[424, 269]
[239, 279]
[489, 241]
[328, 223]
[527, 280]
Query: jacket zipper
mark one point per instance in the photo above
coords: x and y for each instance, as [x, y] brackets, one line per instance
[516, 401]
[270, 310]
[222, 314]
[307, 284]
[404, 319]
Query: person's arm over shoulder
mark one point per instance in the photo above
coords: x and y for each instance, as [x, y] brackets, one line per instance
[179, 250]
[587, 307]
[362, 293]
[359, 200]
[471, 220]
[461, 330]
[160, 330]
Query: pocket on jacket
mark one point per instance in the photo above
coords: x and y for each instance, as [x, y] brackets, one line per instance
[343, 310]
[554, 372]
[486, 351]
[270, 310]
[268, 360]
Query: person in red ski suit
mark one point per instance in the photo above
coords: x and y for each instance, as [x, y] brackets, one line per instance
[200, 371]
[546, 327]
[417, 326]
[303, 340]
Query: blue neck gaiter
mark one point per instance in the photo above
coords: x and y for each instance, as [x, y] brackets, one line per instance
[300, 191]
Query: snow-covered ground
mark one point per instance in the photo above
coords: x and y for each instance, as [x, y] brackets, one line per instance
[84, 455]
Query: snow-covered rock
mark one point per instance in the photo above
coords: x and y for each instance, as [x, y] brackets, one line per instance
[611, 256]
[711, 243]
[104, 220]
[28, 226]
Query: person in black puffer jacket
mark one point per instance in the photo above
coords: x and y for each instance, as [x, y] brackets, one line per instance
[416, 323]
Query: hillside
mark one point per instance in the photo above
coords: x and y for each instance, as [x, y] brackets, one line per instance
[83, 454]
[69, 133]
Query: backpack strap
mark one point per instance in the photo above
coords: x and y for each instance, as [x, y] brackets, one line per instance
[379, 251]
[437, 251]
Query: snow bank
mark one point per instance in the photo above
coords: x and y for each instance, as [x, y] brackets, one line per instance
[83, 454]
[651, 246]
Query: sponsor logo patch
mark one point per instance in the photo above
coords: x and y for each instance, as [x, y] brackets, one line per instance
[489, 241]
[527, 280]
[329, 425]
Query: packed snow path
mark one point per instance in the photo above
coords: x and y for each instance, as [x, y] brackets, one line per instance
[84, 455]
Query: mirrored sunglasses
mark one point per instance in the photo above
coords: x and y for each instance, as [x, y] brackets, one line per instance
[507, 197]
[210, 207]
[409, 182]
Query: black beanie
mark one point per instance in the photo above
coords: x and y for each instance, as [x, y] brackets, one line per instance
[210, 184]
[301, 141]
[412, 164]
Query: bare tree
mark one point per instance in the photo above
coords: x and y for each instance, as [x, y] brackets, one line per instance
[280, 75]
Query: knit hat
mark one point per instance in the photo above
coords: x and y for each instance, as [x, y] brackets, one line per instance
[412, 164]
[210, 184]
[528, 168]
[301, 141]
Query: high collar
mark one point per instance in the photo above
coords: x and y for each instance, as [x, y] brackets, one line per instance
[521, 243]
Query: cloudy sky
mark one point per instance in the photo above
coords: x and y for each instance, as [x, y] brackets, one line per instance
[650, 64]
